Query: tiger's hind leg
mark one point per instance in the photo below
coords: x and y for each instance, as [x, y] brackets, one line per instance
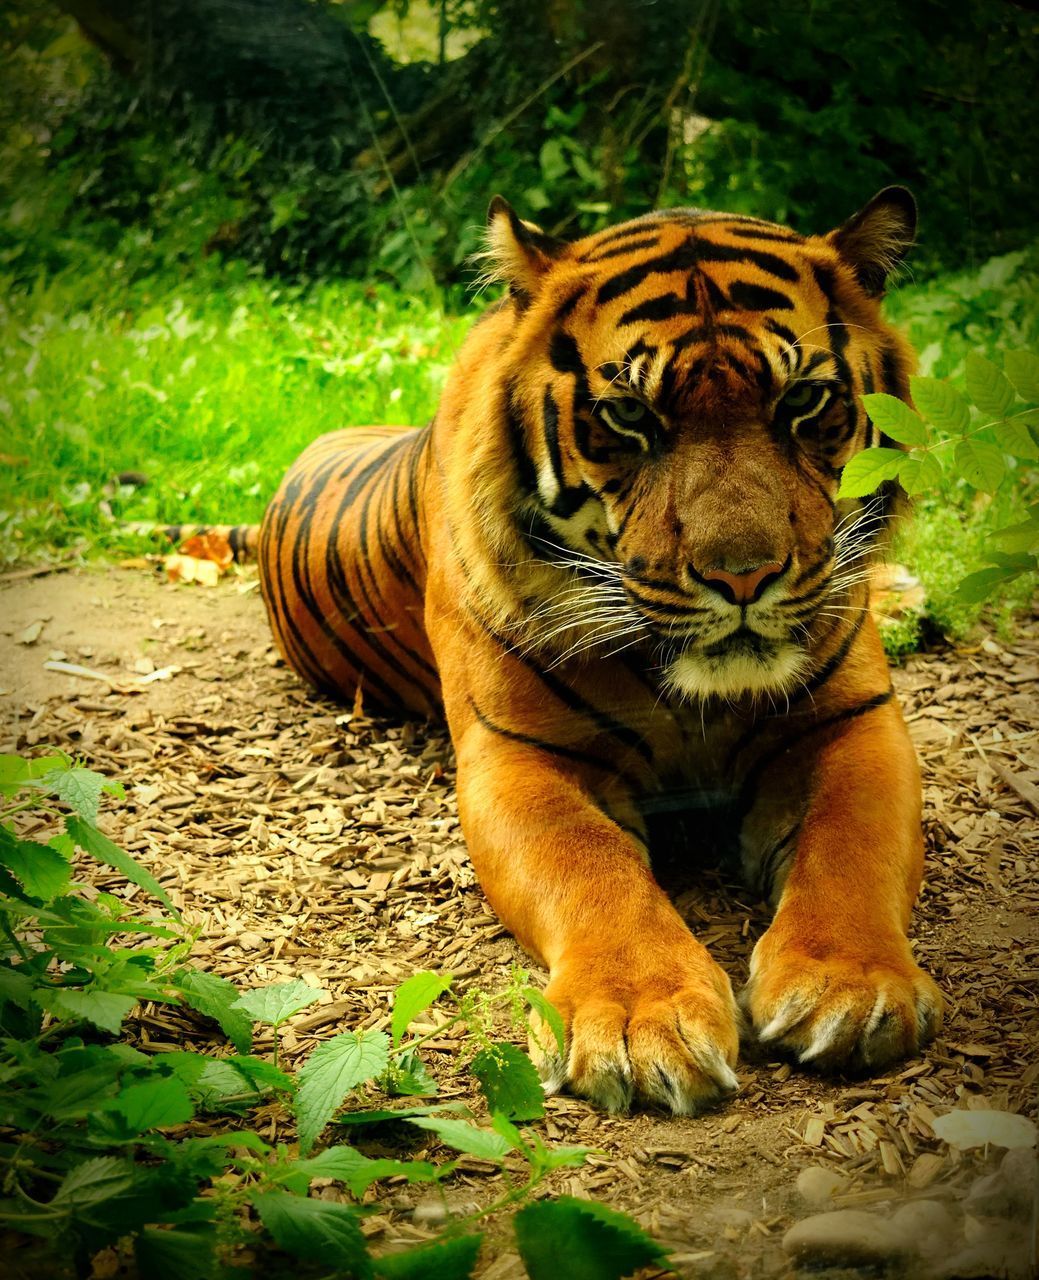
[342, 569]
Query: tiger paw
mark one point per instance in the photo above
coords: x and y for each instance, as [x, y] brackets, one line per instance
[663, 1033]
[853, 1009]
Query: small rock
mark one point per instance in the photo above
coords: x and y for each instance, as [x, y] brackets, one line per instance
[144, 666]
[817, 1185]
[31, 633]
[846, 1237]
[1020, 1171]
[732, 1217]
[430, 1212]
[990, 1196]
[928, 1225]
[975, 1231]
[1005, 1254]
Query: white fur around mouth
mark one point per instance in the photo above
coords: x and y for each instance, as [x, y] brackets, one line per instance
[774, 667]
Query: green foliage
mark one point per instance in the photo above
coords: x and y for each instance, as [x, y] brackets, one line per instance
[98, 1139]
[985, 438]
[597, 1243]
[282, 134]
[413, 997]
[208, 389]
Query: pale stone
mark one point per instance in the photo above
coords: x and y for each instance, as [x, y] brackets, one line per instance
[817, 1185]
[845, 1237]
[1020, 1171]
[926, 1225]
[989, 1196]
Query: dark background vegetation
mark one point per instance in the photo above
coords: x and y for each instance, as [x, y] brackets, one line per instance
[227, 226]
[285, 134]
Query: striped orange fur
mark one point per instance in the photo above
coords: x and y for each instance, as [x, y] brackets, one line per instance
[617, 564]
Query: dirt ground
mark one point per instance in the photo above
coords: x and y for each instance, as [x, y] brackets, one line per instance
[305, 841]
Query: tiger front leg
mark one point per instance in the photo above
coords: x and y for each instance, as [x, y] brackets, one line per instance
[648, 1013]
[833, 979]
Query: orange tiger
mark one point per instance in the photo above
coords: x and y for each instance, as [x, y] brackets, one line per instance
[616, 563]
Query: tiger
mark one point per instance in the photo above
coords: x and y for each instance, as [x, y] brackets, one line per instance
[616, 563]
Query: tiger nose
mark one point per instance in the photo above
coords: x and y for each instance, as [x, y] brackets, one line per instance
[746, 586]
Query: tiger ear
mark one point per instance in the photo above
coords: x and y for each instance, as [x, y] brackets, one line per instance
[517, 252]
[876, 239]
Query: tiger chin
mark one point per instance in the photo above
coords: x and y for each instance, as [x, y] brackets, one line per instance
[745, 666]
[617, 565]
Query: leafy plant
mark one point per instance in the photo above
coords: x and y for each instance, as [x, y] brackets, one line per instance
[986, 438]
[98, 1140]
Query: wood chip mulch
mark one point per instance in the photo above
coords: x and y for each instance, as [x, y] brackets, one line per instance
[303, 840]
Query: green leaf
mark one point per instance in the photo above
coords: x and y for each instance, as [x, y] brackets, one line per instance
[582, 1240]
[79, 788]
[185, 1065]
[1018, 561]
[868, 470]
[328, 1075]
[185, 1253]
[272, 1005]
[221, 1086]
[1018, 537]
[1013, 437]
[988, 387]
[981, 584]
[154, 1104]
[919, 472]
[262, 1074]
[413, 997]
[941, 404]
[409, 1075]
[217, 999]
[104, 1009]
[15, 987]
[895, 418]
[565, 1157]
[76, 1095]
[92, 1183]
[358, 1172]
[41, 871]
[549, 1013]
[510, 1082]
[443, 1260]
[466, 1137]
[1022, 368]
[388, 1115]
[91, 840]
[16, 771]
[981, 464]
[317, 1230]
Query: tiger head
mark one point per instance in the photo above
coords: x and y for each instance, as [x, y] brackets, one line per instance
[681, 393]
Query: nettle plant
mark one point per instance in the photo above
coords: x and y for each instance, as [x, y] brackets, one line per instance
[987, 438]
[103, 1144]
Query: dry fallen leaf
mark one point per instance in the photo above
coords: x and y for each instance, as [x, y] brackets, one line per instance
[209, 546]
[181, 568]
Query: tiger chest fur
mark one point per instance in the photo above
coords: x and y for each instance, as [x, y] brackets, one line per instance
[617, 564]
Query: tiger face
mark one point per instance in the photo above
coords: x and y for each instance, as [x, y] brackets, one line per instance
[683, 392]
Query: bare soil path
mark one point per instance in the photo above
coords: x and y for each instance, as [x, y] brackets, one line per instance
[306, 841]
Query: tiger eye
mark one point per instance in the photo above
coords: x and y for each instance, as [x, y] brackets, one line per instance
[628, 410]
[797, 397]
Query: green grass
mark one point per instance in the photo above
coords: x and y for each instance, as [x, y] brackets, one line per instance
[211, 385]
[209, 389]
